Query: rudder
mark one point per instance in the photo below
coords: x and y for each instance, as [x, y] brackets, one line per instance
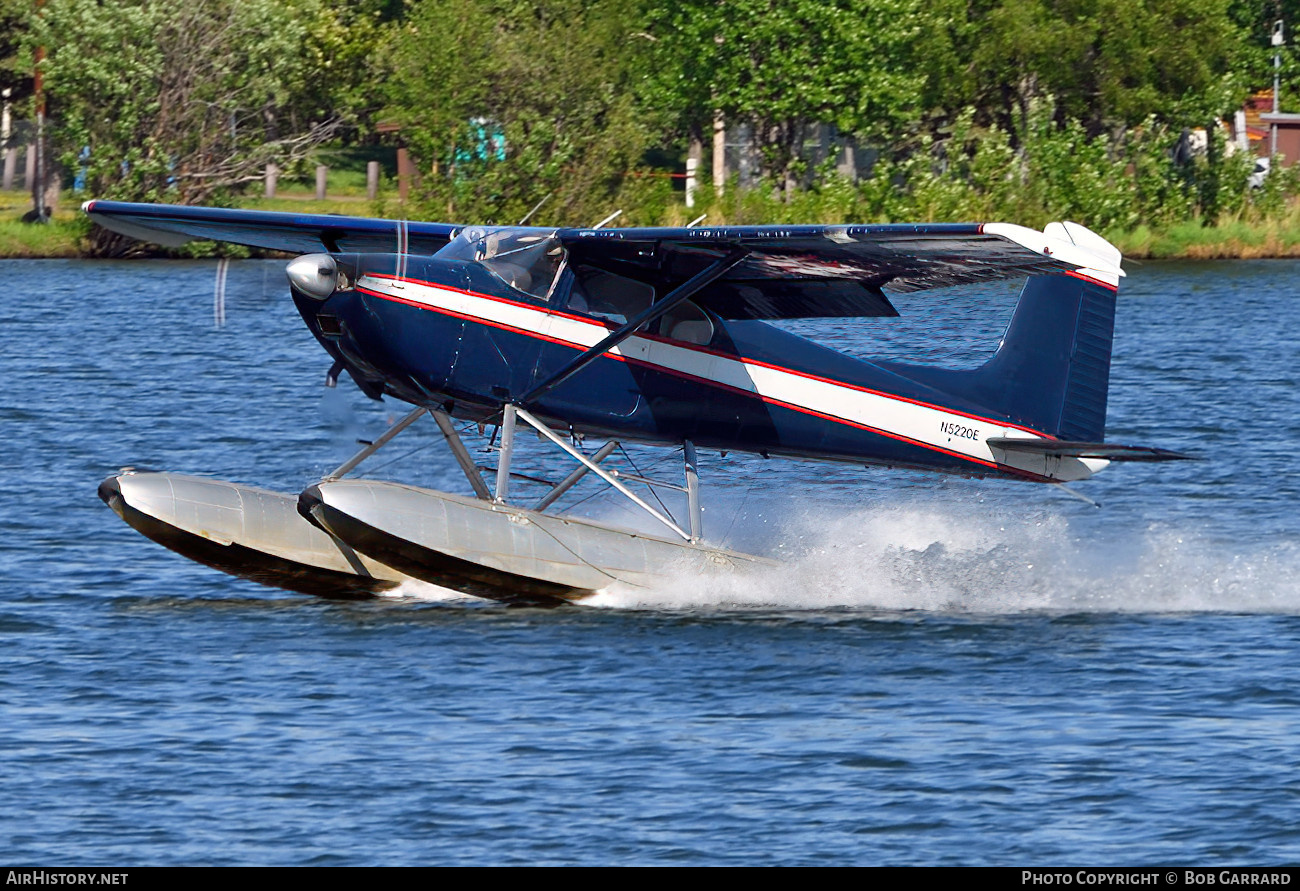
[1052, 369]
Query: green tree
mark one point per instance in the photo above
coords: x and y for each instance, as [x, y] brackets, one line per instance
[1252, 61]
[1105, 63]
[340, 68]
[506, 103]
[783, 65]
[180, 101]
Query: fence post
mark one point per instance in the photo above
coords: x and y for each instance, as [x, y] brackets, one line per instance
[692, 170]
[719, 153]
[322, 176]
[372, 180]
[405, 174]
[272, 175]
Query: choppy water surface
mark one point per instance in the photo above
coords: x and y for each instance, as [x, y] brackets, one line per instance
[944, 671]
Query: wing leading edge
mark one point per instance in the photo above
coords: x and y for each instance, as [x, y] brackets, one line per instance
[172, 225]
[788, 271]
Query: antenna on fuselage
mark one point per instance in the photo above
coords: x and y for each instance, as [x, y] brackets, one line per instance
[536, 207]
[695, 222]
[609, 219]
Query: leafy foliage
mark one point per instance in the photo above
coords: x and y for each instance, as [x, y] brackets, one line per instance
[1021, 109]
[179, 102]
[1104, 63]
[14, 69]
[783, 66]
[505, 104]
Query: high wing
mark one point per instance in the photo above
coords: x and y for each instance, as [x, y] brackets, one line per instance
[784, 272]
[299, 233]
[835, 271]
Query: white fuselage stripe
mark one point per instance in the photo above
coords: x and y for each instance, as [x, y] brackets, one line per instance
[896, 417]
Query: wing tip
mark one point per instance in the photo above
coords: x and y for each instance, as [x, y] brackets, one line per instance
[1070, 243]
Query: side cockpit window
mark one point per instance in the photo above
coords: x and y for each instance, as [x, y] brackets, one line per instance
[687, 323]
[617, 298]
[605, 295]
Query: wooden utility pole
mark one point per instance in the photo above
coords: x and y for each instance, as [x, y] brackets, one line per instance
[10, 153]
[1278, 39]
[40, 213]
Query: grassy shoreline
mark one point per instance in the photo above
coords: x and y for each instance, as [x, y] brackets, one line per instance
[1231, 240]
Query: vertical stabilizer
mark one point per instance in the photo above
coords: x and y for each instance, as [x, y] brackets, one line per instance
[1051, 371]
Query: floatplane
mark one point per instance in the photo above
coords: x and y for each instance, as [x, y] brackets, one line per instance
[657, 336]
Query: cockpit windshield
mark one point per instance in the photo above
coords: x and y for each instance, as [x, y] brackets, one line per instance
[527, 260]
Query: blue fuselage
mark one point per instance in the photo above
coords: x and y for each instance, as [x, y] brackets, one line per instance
[452, 335]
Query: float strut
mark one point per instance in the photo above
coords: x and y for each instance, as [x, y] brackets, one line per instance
[693, 490]
[503, 457]
[385, 438]
[461, 454]
[591, 465]
[567, 483]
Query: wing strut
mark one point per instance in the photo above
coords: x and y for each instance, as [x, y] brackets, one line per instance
[659, 308]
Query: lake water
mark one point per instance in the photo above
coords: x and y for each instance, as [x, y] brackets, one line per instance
[944, 671]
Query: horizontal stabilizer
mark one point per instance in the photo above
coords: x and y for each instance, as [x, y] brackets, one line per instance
[1104, 450]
